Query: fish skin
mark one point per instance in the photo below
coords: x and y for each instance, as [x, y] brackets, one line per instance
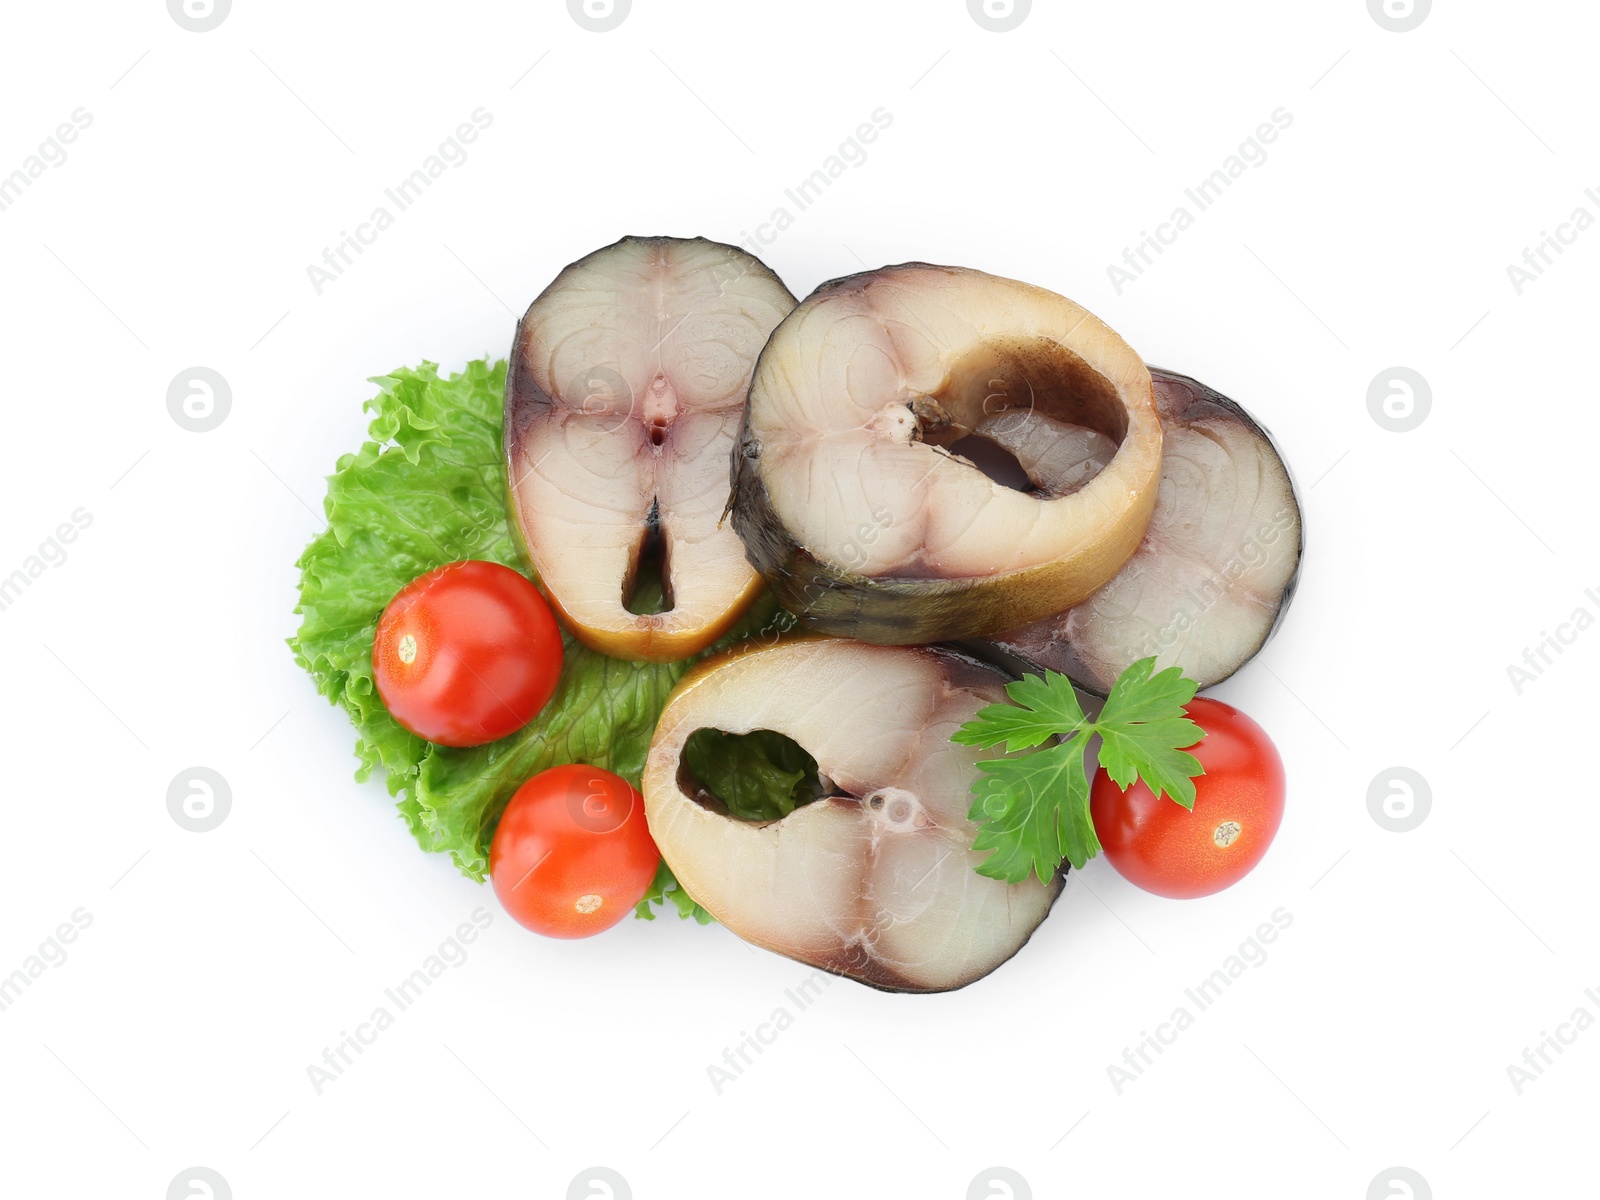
[852, 505]
[1178, 571]
[627, 383]
[886, 894]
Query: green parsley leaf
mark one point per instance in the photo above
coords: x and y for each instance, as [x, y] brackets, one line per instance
[1039, 710]
[1143, 727]
[1034, 807]
[1035, 811]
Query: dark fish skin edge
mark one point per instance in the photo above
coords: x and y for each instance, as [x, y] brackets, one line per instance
[1233, 406]
[826, 598]
[839, 281]
[823, 597]
[832, 601]
[521, 393]
[1014, 657]
[885, 980]
[520, 390]
[889, 981]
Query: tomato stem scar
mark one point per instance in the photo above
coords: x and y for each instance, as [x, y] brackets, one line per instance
[1225, 833]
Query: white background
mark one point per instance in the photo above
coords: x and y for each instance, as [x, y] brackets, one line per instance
[219, 965]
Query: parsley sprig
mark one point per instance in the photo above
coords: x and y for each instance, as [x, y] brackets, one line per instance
[1034, 807]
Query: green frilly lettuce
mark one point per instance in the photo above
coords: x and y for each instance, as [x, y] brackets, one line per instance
[428, 489]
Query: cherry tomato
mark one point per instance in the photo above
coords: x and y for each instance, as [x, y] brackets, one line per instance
[573, 854]
[1158, 845]
[466, 654]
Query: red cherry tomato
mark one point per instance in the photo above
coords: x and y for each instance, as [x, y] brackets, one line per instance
[572, 854]
[466, 654]
[1158, 845]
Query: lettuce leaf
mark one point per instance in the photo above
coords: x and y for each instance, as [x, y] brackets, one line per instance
[427, 489]
[758, 776]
